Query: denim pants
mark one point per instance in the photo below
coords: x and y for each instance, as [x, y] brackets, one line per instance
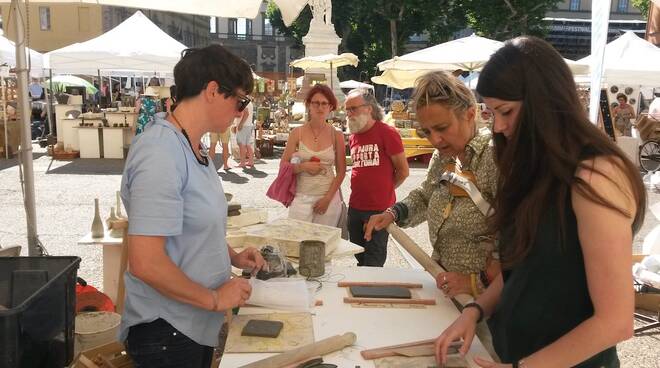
[159, 344]
[375, 250]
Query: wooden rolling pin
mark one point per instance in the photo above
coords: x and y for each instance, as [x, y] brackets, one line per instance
[319, 348]
[427, 262]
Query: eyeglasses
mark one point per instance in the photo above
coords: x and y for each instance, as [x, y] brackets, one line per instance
[243, 100]
[353, 109]
[323, 104]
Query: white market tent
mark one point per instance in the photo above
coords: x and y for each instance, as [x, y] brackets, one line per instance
[134, 45]
[632, 60]
[352, 84]
[8, 56]
[468, 53]
[217, 8]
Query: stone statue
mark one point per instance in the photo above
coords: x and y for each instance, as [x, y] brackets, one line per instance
[321, 9]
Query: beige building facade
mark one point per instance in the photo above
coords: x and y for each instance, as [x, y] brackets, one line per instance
[53, 26]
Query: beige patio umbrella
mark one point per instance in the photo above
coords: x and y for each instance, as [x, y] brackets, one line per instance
[326, 61]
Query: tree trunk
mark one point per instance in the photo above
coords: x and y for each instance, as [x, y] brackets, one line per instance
[393, 37]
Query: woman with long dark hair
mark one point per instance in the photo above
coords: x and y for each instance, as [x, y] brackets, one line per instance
[567, 205]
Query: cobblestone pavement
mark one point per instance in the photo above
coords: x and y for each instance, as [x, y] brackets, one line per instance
[65, 192]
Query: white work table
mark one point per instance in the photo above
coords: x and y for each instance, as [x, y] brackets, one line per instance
[374, 326]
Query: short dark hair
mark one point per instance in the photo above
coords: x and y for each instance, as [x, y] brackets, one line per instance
[622, 95]
[325, 91]
[198, 67]
[173, 92]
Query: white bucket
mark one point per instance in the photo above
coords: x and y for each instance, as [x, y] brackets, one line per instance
[96, 328]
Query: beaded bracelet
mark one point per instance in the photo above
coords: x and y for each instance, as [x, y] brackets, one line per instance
[479, 308]
[392, 212]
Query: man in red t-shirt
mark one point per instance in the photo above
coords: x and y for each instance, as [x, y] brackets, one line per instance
[379, 166]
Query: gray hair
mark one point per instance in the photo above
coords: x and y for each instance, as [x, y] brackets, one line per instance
[438, 87]
[369, 100]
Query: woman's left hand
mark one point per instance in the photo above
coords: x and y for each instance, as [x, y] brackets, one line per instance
[453, 283]
[489, 364]
[250, 258]
[321, 205]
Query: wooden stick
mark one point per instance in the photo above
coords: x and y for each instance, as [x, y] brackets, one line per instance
[319, 348]
[123, 261]
[427, 262]
[388, 301]
[370, 283]
[386, 351]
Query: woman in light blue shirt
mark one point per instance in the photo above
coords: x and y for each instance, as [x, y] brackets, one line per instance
[178, 283]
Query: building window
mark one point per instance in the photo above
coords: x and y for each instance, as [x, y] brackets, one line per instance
[267, 27]
[213, 24]
[574, 5]
[243, 28]
[622, 7]
[232, 26]
[44, 18]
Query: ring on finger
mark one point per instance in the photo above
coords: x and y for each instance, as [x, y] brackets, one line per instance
[445, 287]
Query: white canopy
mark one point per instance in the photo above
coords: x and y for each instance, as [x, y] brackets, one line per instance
[400, 79]
[326, 61]
[632, 60]
[8, 56]
[354, 84]
[467, 53]
[216, 8]
[134, 45]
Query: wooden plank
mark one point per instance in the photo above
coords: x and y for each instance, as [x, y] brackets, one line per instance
[374, 283]
[406, 349]
[350, 300]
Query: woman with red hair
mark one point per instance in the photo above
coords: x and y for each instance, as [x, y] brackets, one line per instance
[316, 151]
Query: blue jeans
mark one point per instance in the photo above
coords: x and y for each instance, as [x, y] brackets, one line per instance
[375, 250]
[159, 344]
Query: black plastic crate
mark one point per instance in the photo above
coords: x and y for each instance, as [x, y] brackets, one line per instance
[37, 311]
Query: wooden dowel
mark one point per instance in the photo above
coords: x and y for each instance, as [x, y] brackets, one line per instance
[376, 283]
[388, 301]
[386, 351]
[319, 348]
[420, 256]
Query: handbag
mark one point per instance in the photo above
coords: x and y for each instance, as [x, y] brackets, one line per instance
[283, 188]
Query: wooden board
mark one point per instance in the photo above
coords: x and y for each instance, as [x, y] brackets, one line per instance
[296, 332]
[419, 362]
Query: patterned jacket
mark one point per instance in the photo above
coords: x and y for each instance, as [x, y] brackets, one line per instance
[457, 240]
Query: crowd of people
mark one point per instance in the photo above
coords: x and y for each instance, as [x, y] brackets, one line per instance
[538, 229]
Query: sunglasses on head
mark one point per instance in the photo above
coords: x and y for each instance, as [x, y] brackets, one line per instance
[243, 100]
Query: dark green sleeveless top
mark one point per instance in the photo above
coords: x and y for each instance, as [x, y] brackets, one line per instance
[545, 296]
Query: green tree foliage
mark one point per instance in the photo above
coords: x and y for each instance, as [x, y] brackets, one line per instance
[375, 30]
[643, 6]
[504, 19]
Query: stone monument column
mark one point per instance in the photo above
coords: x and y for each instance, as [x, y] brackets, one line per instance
[322, 39]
